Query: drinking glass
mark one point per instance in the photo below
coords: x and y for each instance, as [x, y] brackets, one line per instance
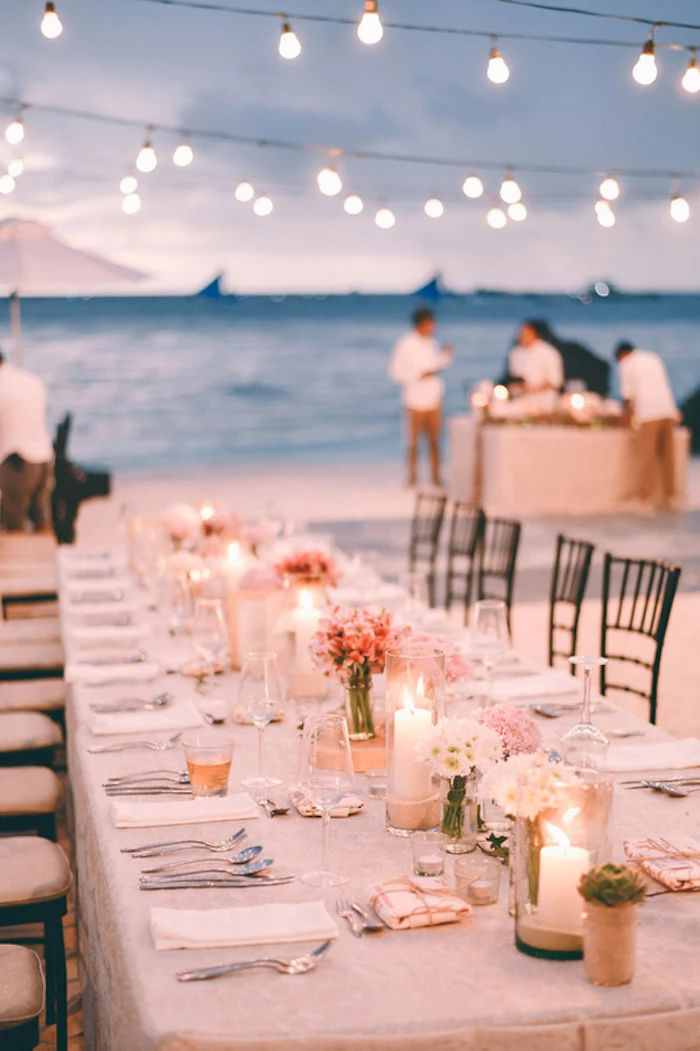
[208, 754]
[490, 638]
[417, 601]
[209, 632]
[260, 694]
[325, 776]
[584, 745]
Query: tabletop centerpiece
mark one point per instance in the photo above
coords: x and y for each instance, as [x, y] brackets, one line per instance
[612, 895]
[519, 735]
[310, 569]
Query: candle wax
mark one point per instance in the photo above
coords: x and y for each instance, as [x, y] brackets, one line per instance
[560, 906]
[412, 778]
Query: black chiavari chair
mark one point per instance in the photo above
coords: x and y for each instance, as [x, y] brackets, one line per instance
[466, 529]
[498, 554]
[428, 516]
[572, 565]
[637, 598]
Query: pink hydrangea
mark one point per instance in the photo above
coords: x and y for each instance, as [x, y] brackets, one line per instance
[456, 665]
[352, 644]
[260, 580]
[309, 563]
[516, 728]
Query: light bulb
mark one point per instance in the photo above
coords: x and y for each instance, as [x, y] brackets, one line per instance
[472, 187]
[7, 183]
[51, 25]
[353, 204]
[129, 184]
[131, 203]
[691, 77]
[146, 160]
[183, 155]
[604, 214]
[434, 208]
[289, 46]
[517, 212]
[385, 219]
[645, 71]
[244, 191]
[510, 191]
[497, 72]
[16, 167]
[329, 182]
[262, 205]
[609, 189]
[496, 218]
[14, 133]
[680, 209]
[370, 30]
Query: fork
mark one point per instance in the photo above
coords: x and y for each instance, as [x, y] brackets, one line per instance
[299, 965]
[271, 808]
[106, 662]
[370, 920]
[134, 704]
[346, 912]
[170, 846]
[180, 777]
[123, 746]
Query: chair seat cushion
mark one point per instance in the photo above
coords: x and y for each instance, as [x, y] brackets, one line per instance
[28, 790]
[27, 731]
[39, 695]
[21, 986]
[32, 870]
[36, 584]
[30, 656]
[27, 632]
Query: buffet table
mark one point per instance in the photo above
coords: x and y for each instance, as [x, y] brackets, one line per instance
[459, 987]
[547, 469]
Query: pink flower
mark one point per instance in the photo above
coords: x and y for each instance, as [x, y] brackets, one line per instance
[516, 728]
[260, 580]
[352, 644]
[310, 563]
[456, 665]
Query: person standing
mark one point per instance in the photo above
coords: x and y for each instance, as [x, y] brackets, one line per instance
[26, 452]
[416, 363]
[650, 407]
[536, 368]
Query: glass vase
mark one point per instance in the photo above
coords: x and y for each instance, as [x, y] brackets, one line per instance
[415, 700]
[358, 709]
[459, 814]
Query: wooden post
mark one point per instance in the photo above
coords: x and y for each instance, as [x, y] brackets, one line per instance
[16, 327]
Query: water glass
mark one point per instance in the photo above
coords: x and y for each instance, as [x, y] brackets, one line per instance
[325, 776]
[209, 631]
[490, 637]
[260, 696]
[429, 853]
[208, 754]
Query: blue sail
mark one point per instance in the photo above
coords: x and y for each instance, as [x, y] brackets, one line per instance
[213, 289]
[434, 289]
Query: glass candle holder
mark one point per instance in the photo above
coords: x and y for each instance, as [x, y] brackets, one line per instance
[478, 878]
[428, 853]
[560, 832]
[415, 700]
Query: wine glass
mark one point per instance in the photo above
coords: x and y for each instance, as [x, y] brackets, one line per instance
[417, 601]
[260, 694]
[325, 776]
[490, 637]
[209, 633]
[584, 745]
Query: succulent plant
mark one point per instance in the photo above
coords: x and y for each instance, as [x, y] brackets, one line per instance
[612, 885]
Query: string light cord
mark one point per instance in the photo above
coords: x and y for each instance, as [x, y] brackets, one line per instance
[608, 15]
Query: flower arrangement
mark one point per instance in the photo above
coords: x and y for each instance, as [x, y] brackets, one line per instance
[182, 522]
[456, 664]
[516, 728]
[309, 563]
[539, 790]
[258, 534]
[221, 522]
[260, 580]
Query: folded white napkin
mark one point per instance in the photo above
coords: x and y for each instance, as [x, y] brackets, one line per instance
[673, 861]
[237, 807]
[88, 635]
[80, 611]
[98, 673]
[181, 716]
[546, 684]
[271, 924]
[417, 901]
[664, 755]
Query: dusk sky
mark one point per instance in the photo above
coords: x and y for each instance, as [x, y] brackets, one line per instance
[413, 93]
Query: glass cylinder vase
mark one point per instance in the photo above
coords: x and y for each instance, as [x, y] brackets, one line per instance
[415, 700]
[358, 709]
[459, 814]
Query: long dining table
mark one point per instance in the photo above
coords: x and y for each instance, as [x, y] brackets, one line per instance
[455, 987]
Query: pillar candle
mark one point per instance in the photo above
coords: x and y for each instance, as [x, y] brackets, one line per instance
[305, 624]
[559, 904]
[412, 778]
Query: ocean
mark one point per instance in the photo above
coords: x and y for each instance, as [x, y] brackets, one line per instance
[166, 382]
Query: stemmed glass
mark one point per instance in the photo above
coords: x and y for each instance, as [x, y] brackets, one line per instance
[417, 601]
[325, 776]
[584, 745]
[209, 632]
[260, 694]
[490, 637]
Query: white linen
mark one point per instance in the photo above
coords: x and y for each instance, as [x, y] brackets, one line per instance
[237, 807]
[666, 755]
[413, 356]
[95, 674]
[270, 924]
[547, 684]
[644, 383]
[23, 427]
[182, 716]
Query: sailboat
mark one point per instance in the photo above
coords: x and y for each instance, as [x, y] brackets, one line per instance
[213, 289]
[434, 289]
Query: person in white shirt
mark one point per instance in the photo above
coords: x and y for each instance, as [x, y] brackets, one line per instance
[416, 363]
[651, 409]
[26, 452]
[537, 370]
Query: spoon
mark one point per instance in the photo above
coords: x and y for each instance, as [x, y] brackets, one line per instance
[241, 858]
[210, 869]
[134, 704]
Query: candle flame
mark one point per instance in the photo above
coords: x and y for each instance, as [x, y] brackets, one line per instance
[577, 401]
[306, 599]
[207, 512]
[234, 552]
[420, 691]
[408, 701]
[195, 576]
[571, 814]
[560, 838]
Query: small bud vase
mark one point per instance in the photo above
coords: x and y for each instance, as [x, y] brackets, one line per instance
[459, 814]
[358, 708]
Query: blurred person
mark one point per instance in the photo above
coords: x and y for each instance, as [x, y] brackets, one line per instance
[536, 369]
[650, 408]
[416, 362]
[26, 452]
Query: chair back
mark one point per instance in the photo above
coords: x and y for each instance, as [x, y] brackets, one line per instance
[466, 530]
[572, 565]
[637, 598]
[498, 553]
[428, 516]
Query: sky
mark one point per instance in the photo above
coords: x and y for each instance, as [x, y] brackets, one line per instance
[416, 93]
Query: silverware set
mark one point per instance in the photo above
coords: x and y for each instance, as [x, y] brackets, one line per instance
[243, 857]
[215, 878]
[134, 704]
[676, 788]
[360, 920]
[125, 746]
[105, 620]
[555, 709]
[299, 965]
[173, 846]
[89, 597]
[158, 783]
[117, 658]
[271, 808]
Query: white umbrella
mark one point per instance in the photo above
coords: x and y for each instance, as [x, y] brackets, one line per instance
[32, 260]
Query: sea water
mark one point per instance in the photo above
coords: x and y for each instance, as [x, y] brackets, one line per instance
[186, 381]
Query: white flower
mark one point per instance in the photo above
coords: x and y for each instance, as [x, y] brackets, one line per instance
[457, 747]
[524, 785]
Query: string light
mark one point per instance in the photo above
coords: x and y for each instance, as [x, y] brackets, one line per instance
[510, 191]
[146, 160]
[131, 203]
[14, 133]
[679, 207]
[385, 218]
[329, 182]
[183, 154]
[609, 189]
[16, 167]
[496, 218]
[129, 184]
[262, 205]
[244, 192]
[497, 70]
[645, 71]
[691, 77]
[289, 45]
[370, 30]
[434, 208]
[51, 25]
[7, 183]
[517, 212]
[353, 204]
[472, 187]
[604, 214]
